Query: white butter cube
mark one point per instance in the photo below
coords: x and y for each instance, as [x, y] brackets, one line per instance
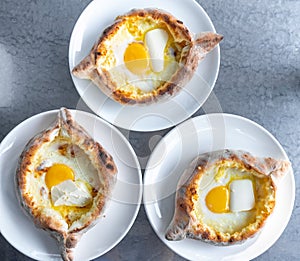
[241, 195]
[69, 193]
[156, 41]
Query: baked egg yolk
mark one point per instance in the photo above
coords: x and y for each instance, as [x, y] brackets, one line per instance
[217, 199]
[136, 58]
[58, 173]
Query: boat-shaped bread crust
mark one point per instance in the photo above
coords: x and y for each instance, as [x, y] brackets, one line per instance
[192, 48]
[36, 203]
[186, 223]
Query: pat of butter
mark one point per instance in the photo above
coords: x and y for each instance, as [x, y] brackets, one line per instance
[156, 41]
[69, 193]
[241, 195]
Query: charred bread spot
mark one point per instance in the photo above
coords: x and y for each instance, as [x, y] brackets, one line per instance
[110, 166]
[231, 240]
[205, 235]
[142, 14]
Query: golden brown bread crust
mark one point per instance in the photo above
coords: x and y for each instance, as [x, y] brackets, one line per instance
[102, 161]
[184, 223]
[194, 51]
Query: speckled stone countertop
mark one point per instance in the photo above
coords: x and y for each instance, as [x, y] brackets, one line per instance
[259, 79]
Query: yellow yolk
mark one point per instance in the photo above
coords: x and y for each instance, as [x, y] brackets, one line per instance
[58, 173]
[217, 199]
[136, 58]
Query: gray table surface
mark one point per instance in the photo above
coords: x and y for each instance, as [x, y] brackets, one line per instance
[259, 79]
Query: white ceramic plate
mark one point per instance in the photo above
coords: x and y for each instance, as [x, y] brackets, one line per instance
[97, 16]
[119, 216]
[173, 154]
